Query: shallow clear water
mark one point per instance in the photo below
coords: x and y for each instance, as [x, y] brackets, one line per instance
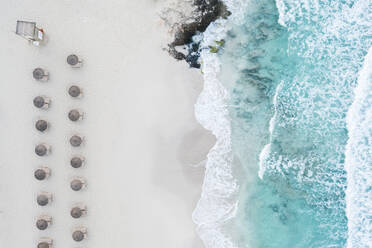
[290, 68]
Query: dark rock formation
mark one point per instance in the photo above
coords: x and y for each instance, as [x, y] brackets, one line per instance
[207, 12]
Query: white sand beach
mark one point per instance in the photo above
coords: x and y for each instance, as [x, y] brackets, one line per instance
[140, 132]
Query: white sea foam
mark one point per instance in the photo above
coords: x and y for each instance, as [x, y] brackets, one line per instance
[358, 161]
[218, 201]
[263, 155]
[237, 8]
[266, 150]
[216, 205]
[281, 9]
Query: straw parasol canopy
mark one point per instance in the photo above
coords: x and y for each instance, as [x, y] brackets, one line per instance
[41, 125]
[76, 162]
[38, 74]
[40, 174]
[41, 150]
[72, 59]
[43, 245]
[42, 200]
[41, 224]
[39, 102]
[74, 91]
[74, 115]
[76, 184]
[76, 141]
[78, 235]
[76, 212]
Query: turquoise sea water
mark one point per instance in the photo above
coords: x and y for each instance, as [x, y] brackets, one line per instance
[302, 169]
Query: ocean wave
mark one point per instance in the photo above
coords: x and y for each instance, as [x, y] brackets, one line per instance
[358, 161]
[237, 8]
[266, 150]
[328, 40]
[218, 202]
[300, 201]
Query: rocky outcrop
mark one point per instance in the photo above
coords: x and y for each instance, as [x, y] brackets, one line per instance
[206, 11]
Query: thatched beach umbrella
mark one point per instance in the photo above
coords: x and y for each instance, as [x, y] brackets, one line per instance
[42, 173]
[42, 150]
[41, 125]
[77, 184]
[77, 161]
[79, 234]
[75, 115]
[44, 198]
[74, 91]
[40, 74]
[45, 243]
[76, 140]
[43, 222]
[41, 102]
[74, 61]
[78, 211]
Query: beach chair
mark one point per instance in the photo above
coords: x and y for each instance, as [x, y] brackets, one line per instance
[30, 32]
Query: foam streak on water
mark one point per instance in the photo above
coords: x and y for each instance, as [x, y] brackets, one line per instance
[266, 150]
[358, 161]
